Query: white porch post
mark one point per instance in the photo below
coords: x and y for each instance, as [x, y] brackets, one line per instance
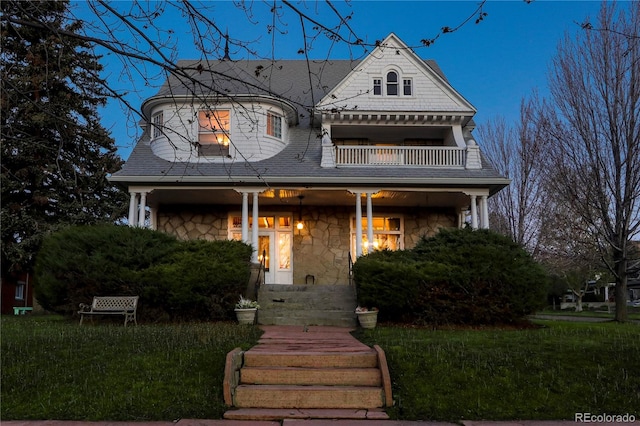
[245, 217]
[133, 204]
[153, 218]
[143, 209]
[369, 224]
[358, 224]
[484, 206]
[474, 212]
[254, 229]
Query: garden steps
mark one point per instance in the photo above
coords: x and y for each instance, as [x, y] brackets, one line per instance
[276, 414]
[310, 372]
[329, 305]
[311, 376]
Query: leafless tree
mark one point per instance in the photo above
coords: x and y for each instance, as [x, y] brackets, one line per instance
[516, 152]
[132, 33]
[592, 125]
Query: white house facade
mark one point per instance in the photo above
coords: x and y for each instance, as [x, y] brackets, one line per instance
[314, 164]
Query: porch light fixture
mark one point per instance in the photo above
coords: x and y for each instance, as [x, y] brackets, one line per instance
[300, 224]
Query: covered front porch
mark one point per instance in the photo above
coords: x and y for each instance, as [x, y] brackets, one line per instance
[308, 235]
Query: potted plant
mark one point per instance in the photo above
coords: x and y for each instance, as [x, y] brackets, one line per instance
[367, 317]
[246, 310]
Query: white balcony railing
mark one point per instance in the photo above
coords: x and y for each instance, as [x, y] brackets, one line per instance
[347, 155]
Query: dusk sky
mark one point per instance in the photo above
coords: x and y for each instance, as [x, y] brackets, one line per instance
[493, 64]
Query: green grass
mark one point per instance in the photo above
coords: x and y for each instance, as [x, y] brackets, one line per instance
[633, 313]
[55, 369]
[548, 373]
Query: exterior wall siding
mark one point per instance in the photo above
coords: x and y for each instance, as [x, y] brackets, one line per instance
[247, 132]
[427, 95]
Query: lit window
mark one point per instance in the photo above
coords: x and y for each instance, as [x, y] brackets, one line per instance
[387, 234]
[406, 85]
[213, 132]
[392, 83]
[377, 86]
[274, 125]
[158, 121]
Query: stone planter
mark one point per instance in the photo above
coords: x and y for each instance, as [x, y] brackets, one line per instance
[246, 316]
[367, 319]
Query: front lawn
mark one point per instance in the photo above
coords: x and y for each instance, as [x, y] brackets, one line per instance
[54, 369]
[547, 373]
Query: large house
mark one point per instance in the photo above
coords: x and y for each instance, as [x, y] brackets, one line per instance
[313, 163]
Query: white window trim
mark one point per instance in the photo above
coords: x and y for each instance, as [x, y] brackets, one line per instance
[272, 115]
[400, 232]
[157, 123]
[225, 132]
[20, 290]
[384, 84]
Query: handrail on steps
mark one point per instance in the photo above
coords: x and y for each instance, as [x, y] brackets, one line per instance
[261, 272]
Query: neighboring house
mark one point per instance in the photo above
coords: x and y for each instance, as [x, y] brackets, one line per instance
[330, 159]
[16, 293]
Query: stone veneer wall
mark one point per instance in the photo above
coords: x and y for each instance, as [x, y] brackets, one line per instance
[426, 223]
[192, 223]
[321, 249]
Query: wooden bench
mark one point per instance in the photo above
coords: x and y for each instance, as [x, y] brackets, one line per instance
[21, 310]
[111, 305]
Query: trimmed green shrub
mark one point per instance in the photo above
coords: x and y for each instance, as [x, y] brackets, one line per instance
[174, 279]
[456, 277]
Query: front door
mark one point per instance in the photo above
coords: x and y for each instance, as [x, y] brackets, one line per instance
[275, 237]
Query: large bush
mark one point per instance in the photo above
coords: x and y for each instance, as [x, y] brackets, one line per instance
[174, 279]
[456, 277]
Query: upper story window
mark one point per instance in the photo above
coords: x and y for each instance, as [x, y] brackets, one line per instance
[213, 132]
[392, 83]
[158, 120]
[377, 86]
[407, 87]
[274, 125]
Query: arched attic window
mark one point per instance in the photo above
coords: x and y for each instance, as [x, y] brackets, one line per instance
[392, 83]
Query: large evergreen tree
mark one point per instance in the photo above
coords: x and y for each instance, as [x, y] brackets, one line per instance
[55, 154]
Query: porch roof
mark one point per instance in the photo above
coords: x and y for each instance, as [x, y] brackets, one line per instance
[298, 165]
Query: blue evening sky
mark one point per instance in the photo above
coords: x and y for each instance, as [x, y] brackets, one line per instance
[493, 64]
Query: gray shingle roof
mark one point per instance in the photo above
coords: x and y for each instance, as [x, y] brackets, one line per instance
[300, 160]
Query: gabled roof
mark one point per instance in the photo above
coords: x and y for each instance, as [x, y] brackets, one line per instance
[302, 84]
[432, 92]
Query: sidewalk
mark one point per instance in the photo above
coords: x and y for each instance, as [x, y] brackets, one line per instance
[313, 422]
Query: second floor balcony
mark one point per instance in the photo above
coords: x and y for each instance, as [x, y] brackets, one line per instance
[421, 156]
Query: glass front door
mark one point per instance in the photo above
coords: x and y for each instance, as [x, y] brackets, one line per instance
[274, 245]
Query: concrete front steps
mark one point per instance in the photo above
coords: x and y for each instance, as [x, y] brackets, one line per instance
[308, 374]
[305, 305]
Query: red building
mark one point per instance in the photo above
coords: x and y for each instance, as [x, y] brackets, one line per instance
[17, 292]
